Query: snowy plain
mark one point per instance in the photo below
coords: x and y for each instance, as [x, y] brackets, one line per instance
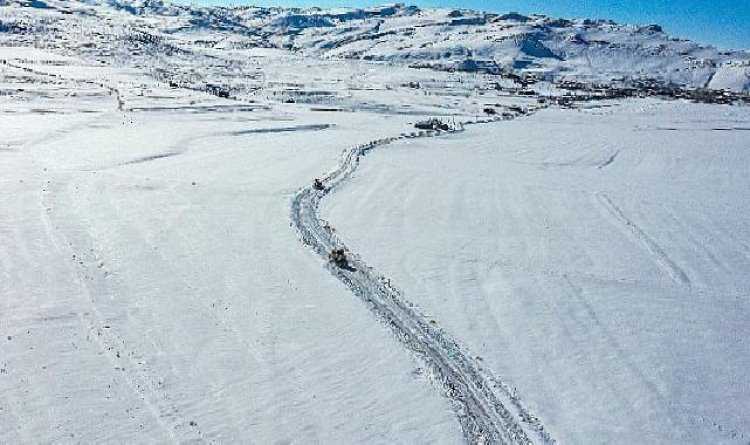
[153, 289]
[595, 258]
[589, 261]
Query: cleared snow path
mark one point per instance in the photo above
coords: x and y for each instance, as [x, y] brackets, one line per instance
[488, 411]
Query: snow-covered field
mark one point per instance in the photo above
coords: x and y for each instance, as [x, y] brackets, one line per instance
[535, 273]
[153, 288]
[596, 259]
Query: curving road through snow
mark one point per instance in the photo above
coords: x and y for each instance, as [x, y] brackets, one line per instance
[488, 411]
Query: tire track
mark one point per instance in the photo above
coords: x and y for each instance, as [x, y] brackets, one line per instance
[129, 365]
[609, 160]
[488, 410]
[657, 253]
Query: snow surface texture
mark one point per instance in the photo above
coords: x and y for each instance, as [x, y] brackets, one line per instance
[597, 259]
[555, 274]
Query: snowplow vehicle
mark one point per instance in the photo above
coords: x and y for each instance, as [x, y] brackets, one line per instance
[338, 257]
[433, 124]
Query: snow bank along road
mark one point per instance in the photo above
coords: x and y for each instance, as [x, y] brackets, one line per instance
[487, 410]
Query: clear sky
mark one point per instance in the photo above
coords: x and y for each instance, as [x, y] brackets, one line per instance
[724, 23]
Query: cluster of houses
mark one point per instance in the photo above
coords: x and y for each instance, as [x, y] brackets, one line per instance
[584, 91]
[578, 91]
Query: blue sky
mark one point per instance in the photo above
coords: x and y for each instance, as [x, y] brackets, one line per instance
[725, 23]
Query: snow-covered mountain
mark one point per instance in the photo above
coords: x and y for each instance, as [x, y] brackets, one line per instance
[447, 39]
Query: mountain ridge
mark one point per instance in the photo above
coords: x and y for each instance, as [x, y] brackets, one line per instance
[553, 49]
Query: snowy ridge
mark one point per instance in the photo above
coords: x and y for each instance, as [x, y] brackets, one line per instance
[536, 46]
[488, 411]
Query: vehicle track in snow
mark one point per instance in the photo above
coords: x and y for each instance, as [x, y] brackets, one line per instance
[656, 252]
[488, 410]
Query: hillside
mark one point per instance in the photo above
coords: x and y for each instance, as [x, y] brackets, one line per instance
[546, 48]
